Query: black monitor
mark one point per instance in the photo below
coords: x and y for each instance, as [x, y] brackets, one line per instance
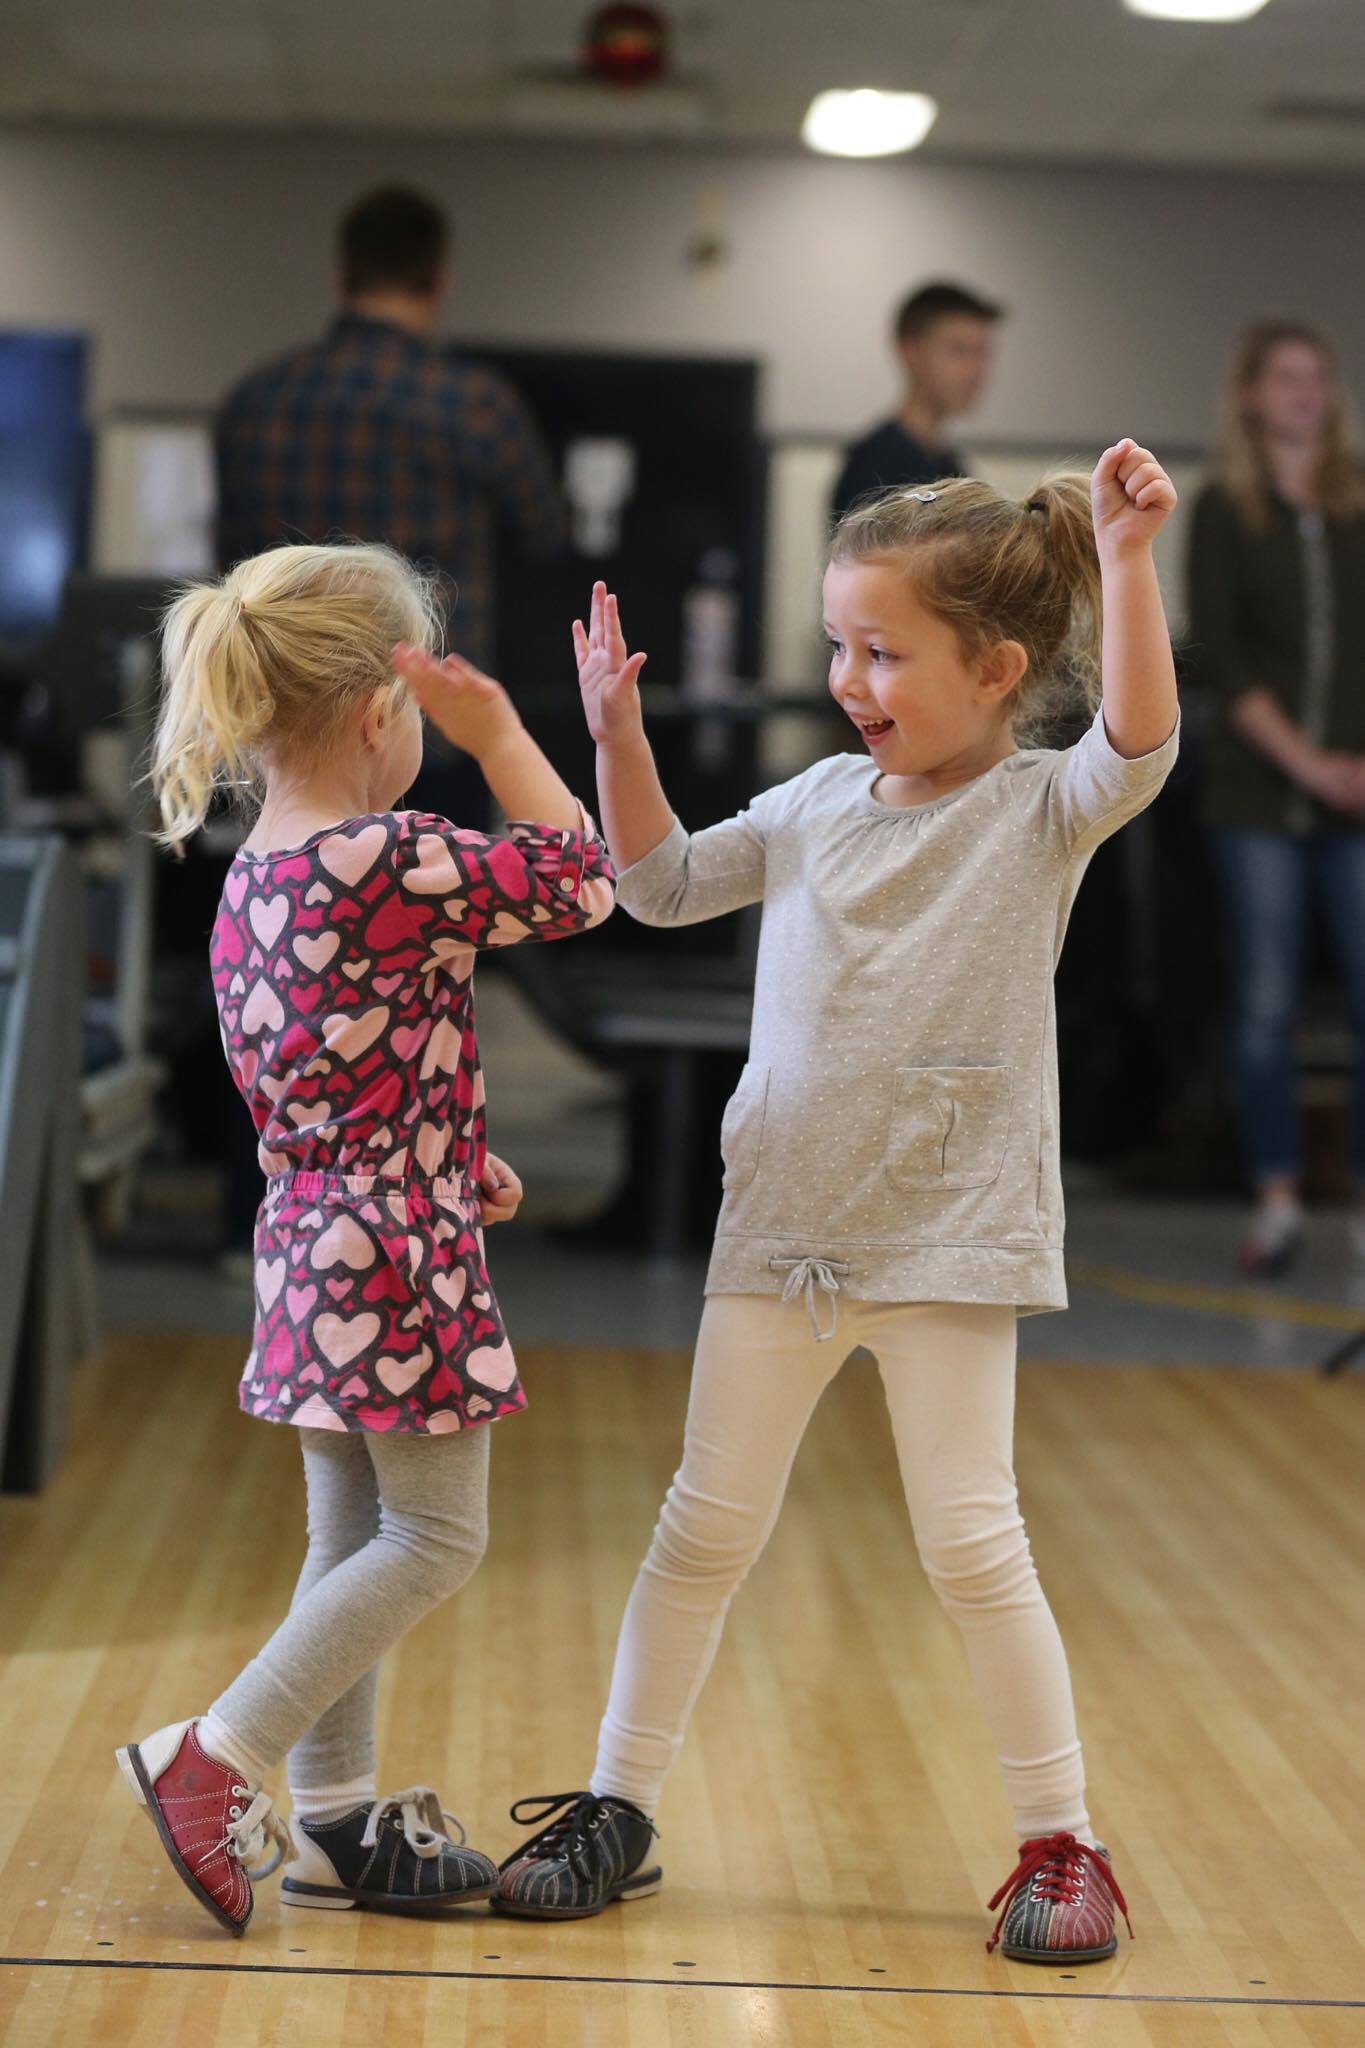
[44, 478]
[81, 662]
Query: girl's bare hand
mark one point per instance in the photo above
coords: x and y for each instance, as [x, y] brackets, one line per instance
[473, 711]
[1132, 498]
[607, 676]
[500, 1191]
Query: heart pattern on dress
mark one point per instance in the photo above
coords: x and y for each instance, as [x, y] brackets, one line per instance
[268, 917]
[342, 976]
[316, 952]
[350, 1038]
[269, 1280]
[344, 1242]
[451, 1286]
[349, 856]
[263, 1010]
[443, 1051]
[341, 1339]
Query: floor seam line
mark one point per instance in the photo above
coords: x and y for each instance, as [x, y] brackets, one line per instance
[686, 1983]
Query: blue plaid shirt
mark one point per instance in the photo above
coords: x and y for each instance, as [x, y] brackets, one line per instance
[376, 434]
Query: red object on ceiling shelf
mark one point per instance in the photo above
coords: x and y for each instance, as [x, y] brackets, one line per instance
[626, 44]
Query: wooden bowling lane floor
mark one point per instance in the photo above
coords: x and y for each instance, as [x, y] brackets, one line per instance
[835, 1824]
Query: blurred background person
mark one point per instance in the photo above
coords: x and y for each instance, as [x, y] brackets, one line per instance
[380, 433]
[943, 335]
[1277, 615]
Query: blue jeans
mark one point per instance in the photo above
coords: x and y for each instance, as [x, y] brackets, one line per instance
[1271, 882]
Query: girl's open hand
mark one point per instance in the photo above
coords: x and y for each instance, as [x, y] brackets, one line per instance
[473, 711]
[607, 676]
[500, 1191]
[1132, 497]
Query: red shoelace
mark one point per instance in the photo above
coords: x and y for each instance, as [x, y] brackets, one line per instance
[1055, 1865]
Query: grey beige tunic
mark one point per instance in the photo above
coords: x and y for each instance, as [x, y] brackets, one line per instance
[895, 1132]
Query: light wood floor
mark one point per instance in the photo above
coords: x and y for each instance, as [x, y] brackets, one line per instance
[835, 1824]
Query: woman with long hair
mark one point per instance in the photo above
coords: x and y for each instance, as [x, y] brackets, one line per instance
[1277, 613]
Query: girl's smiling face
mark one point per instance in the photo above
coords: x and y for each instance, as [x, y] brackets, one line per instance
[927, 711]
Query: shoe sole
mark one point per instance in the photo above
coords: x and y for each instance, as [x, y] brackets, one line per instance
[642, 1887]
[344, 1898]
[1059, 1955]
[140, 1785]
[1272, 1268]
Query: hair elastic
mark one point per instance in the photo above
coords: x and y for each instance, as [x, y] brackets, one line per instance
[923, 497]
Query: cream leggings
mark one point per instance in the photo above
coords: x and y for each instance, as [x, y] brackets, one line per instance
[948, 1371]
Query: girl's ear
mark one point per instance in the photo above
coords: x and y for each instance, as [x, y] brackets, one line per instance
[373, 722]
[378, 715]
[1003, 668]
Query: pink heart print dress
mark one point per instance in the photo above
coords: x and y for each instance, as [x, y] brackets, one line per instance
[343, 975]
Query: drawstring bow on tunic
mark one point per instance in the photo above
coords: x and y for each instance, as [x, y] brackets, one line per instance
[813, 1277]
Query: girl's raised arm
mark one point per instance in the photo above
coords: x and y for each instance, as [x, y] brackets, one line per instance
[1132, 498]
[688, 878]
[636, 815]
[476, 713]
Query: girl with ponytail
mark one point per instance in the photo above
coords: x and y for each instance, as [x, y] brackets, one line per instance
[342, 958]
[891, 1154]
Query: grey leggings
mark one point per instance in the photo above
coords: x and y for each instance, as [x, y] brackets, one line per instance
[396, 1524]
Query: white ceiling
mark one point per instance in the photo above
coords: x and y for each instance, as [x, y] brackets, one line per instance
[1042, 79]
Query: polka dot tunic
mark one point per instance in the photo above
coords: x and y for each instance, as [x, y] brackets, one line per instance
[895, 1132]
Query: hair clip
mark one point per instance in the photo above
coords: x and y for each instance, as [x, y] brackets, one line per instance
[923, 497]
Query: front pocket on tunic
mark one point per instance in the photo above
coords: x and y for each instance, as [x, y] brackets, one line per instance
[741, 1131]
[949, 1127]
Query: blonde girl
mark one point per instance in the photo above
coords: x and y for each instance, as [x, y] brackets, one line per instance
[342, 959]
[891, 1154]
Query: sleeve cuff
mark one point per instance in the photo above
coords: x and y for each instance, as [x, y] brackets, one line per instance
[1161, 756]
[653, 878]
[571, 844]
[658, 856]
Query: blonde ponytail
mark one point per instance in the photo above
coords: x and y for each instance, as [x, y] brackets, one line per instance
[997, 568]
[270, 665]
[1061, 500]
[216, 704]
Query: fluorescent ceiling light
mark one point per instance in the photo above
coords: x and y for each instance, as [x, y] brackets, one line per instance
[867, 122]
[1196, 10]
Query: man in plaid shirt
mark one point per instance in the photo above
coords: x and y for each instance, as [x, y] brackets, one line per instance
[376, 433]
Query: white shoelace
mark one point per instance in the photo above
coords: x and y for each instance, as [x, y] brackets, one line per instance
[259, 1833]
[424, 1820]
[810, 1274]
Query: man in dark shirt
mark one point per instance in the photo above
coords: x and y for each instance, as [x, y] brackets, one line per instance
[377, 433]
[943, 337]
